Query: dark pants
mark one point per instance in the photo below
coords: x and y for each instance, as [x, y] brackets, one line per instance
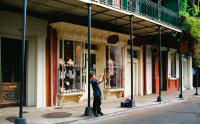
[97, 104]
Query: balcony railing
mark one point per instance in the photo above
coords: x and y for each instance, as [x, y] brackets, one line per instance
[146, 8]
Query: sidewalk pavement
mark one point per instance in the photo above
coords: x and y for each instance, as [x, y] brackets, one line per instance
[75, 111]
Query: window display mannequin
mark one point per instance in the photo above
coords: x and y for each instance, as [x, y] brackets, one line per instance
[70, 72]
[62, 73]
[111, 66]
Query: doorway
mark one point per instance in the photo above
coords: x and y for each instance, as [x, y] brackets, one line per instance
[155, 71]
[93, 63]
[135, 78]
[164, 69]
[10, 71]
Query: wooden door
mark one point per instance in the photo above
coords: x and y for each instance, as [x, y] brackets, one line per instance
[164, 70]
[155, 73]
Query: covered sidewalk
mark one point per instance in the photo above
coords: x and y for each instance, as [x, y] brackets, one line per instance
[73, 112]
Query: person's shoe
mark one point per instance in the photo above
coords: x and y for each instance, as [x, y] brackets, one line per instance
[96, 115]
[100, 113]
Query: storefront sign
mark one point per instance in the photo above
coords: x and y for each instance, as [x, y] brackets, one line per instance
[10, 92]
[10, 97]
[113, 39]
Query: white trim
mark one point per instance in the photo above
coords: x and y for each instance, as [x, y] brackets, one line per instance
[163, 48]
[172, 78]
[172, 50]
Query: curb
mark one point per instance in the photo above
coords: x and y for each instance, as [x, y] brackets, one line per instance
[150, 106]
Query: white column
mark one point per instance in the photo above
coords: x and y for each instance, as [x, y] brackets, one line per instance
[189, 74]
[184, 73]
[31, 86]
[169, 64]
[41, 65]
[177, 65]
[141, 71]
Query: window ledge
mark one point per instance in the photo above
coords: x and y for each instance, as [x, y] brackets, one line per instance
[64, 97]
[114, 90]
[171, 78]
[71, 93]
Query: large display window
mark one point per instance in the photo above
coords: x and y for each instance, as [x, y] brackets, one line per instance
[114, 67]
[10, 71]
[71, 70]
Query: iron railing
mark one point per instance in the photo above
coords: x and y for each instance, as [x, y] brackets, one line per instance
[74, 84]
[146, 8]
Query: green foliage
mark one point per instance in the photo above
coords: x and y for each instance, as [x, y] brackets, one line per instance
[190, 22]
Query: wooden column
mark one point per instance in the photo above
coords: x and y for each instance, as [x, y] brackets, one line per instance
[48, 86]
[144, 71]
[159, 99]
[0, 67]
[0, 72]
[51, 67]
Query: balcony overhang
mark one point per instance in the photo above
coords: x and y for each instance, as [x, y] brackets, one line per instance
[103, 16]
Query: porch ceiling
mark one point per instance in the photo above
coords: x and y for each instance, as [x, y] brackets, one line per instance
[75, 11]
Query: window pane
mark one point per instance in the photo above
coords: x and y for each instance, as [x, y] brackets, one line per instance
[173, 65]
[114, 67]
[70, 73]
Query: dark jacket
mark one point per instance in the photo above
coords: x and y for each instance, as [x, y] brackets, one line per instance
[96, 88]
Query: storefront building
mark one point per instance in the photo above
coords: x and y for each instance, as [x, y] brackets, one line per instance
[57, 50]
[110, 59]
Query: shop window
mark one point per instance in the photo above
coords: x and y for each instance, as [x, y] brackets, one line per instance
[71, 66]
[114, 67]
[10, 70]
[173, 65]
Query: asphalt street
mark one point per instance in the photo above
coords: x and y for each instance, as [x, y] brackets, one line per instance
[187, 112]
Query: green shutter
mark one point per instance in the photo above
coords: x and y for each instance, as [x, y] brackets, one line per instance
[103, 1]
[124, 4]
[110, 2]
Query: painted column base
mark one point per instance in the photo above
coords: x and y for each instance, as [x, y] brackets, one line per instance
[196, 92]
[159, 99]
[88, 111]
[20, 121]
[180, 95]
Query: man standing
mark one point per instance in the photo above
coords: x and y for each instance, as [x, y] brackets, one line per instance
[97, 94]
